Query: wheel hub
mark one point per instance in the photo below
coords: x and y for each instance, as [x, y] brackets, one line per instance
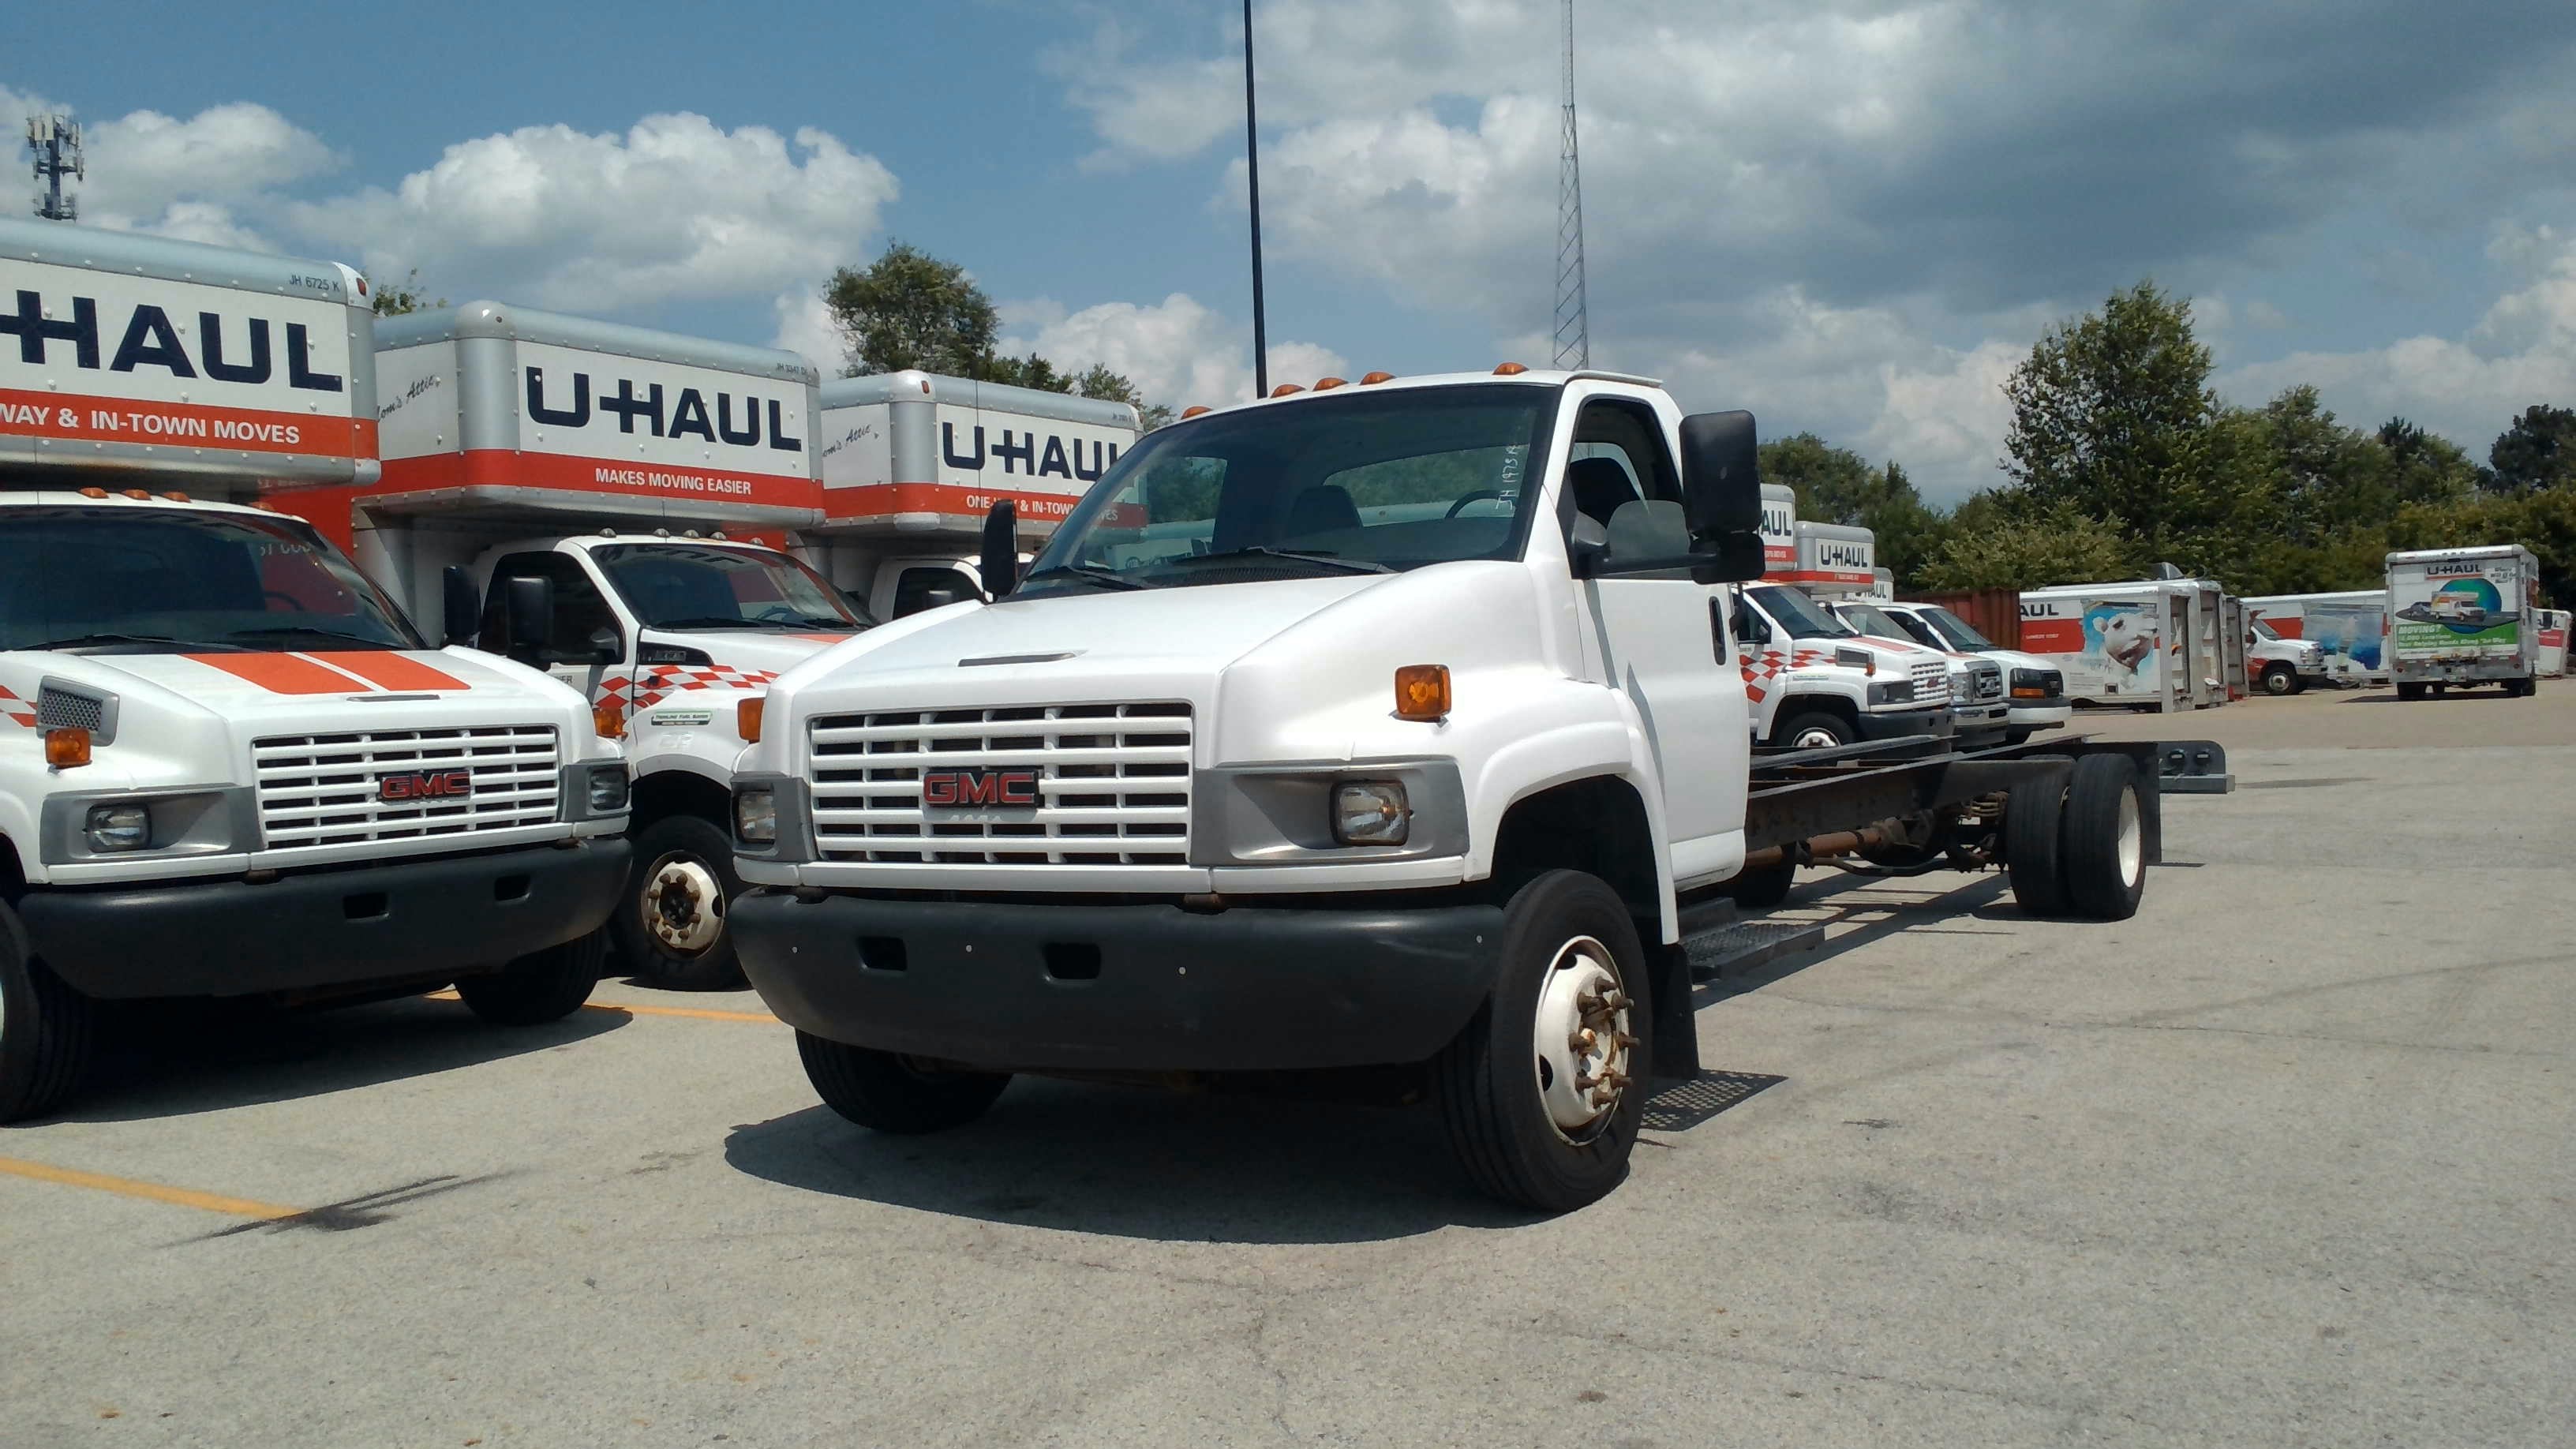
[684, 906]
[1580, 1039]
[1815, 739]
[2133, 841]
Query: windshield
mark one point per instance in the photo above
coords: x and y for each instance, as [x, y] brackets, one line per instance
[1961, 635]
[2262, 630]
[710, 586]
[164, 580]
[1869, 620]
[1803, 617]
[1362, 483]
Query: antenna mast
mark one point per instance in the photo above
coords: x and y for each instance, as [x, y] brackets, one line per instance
[1573, 327]
[56, 140]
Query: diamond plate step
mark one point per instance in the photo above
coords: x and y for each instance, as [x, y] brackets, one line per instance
[1743, 945]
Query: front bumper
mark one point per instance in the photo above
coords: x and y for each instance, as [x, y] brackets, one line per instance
[2459, 671]
[1146, 987]
[2040, 714]
[1899, 724]
[405, 920]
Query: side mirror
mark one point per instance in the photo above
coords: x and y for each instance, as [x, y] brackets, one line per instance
[1749, 627]
[999, 561]
[939, 598]
[528, 617]
[1721, 474]
[605, 646]
[462, 612]
[1729, 558]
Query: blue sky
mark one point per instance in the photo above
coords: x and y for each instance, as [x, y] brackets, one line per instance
[1852, 215]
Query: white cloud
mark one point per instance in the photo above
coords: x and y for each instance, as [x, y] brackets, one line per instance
[676, 208]
[186, 178]
[805, 326]
[1177, 351]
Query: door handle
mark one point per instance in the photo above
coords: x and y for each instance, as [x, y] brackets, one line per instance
[1717, 627]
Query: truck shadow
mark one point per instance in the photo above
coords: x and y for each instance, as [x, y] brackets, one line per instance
[1893, 906]
[175, 1059]
[1136, 1162]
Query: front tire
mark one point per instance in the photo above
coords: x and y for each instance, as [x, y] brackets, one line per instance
[884, 1092]
[1543, 1091]
[2280, 679]
[1814, 729]
[545, 986]
[46, 1030]
[672, 928]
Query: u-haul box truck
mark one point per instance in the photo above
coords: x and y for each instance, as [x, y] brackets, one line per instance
[653, 484]
[229, 765]
[911, 461]
[2348, 627]
[2553, 642]
[2462, 616]
[2116, 644]
[1779, 528]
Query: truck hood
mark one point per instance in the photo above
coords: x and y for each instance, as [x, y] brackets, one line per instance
[763, 652]
[272, 688]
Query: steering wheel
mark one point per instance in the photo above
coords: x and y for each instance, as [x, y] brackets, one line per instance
[1478, 496]
[294, 605]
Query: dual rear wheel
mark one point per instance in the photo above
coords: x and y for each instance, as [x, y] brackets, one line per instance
[2080, 850]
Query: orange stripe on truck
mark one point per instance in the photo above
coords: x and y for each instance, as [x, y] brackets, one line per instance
[280, 673]
[393, 671]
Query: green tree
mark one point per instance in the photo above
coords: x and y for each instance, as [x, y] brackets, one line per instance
[909, 309]
[2537, 451]
[1998, 544]
[404, 297]
[2108, 409]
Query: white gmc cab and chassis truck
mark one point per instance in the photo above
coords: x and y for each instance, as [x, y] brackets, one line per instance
[229, 766]
[1238, 780]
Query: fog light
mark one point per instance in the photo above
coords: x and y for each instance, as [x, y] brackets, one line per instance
[1371, 813]
[608, 789]
[119, 827]
[755, 815]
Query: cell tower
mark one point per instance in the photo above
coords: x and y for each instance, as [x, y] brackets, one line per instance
[1573, 327]
[56, 140]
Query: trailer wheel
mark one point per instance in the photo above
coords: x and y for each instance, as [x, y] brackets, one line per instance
[1814, 729]
[885, 1092]
[672, 928]
[46, 1029]
[2410, 691]
[2102, 840]
[2031, 828]
[2280, 679]
[543, 986]
[1542, 1092]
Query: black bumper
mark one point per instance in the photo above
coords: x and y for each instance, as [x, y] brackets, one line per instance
[404, 920]
[1005, 985]
[1905, 724]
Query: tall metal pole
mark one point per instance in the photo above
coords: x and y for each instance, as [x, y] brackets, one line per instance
[1252, 172]
[1573, 322]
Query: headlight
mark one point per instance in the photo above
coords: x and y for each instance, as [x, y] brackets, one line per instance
[1894, 691]
[755, 815]
[608, 789]
[118, 827]
[1370, 812]
[2034, 683]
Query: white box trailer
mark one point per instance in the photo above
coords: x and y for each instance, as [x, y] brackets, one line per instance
[912, 461]
[1779, 529]
[229, 765]
[2553, 642]
[2119, 644]
[2350, 627]
[2463, 616]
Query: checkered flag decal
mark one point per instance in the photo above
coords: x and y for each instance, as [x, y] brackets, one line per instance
[660, 681]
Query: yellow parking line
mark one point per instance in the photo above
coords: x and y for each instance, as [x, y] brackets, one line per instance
[702, 1013]
[238, 1207]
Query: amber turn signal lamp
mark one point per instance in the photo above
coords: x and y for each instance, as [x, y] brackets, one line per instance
[1192, 411]
[608, 721]
[1422, 692]
[746, 718]
[1510, 369]
[66, 747]
[1327, 384]
[1285, 388]
[93, 493]
[1374, 378]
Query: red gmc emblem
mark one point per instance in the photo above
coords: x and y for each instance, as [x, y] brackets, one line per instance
[426, 785]
[979, 787]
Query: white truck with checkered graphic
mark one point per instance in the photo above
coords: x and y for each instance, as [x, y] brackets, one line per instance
[619, 507]
[1812, 679]
[1391, 732]
[229, 765]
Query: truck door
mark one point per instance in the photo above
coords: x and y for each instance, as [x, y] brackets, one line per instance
[1662, 639]
[584, 621]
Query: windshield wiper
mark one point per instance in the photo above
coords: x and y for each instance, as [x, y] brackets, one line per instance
[1085, 572]
[717, 621]
[84, 641]
[1303, 555]
[336, 635]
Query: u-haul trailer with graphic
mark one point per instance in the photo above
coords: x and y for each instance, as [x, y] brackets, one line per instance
[2349, 627]
[2552, 658]
[911, 461]
[654, 485]
[2462, 616]
[229, 765]
[2123, 644]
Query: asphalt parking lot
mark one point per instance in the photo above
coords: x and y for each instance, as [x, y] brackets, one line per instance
[2285, 1160]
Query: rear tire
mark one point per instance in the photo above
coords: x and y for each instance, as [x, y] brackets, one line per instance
[545, 986]
[884, 1092]
[2031, 829]
[672, 928]
[1814, 729]
[1543, 1091]
[2102, 838]
[47, 1030]
[2410, 691]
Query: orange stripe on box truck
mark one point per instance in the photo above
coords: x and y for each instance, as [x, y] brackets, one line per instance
[569, 473]
[391, 670]
[77, 417]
